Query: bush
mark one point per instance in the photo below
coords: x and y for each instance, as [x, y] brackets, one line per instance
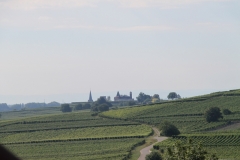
[66, 108]
[168, 129]
[189, 151]
[153, 156]
[213, 114]
[226, 112]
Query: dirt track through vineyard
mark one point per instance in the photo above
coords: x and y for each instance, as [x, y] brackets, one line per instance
[145, 151]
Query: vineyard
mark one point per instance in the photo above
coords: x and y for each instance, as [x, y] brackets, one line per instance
[114, 134]
[85, 150]
[72, 136]
[186, 114]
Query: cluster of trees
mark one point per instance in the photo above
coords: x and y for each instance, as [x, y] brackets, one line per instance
[81, 106]
[214, 113]
[5, 107]
[68, 108]
[189, 151]
[101, 105]
[146, 99]
[173, 95]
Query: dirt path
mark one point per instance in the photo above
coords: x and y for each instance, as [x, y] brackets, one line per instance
[145, 151]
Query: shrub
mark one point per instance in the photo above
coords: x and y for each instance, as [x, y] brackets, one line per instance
[168, 129]
[189, 151]
[153, 156]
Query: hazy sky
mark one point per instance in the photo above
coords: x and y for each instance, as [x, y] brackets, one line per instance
[60, 49]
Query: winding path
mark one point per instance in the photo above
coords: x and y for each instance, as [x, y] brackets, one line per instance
[145, 151]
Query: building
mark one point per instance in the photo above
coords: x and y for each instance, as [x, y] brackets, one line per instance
[90, 97]
[123, 97]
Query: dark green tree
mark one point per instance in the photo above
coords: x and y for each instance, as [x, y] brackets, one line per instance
[103, 107]
[168, 129]
[172, 95]
[142, 97]
[78, 107]
[156, 96]
[213, 114]
[66, 108]
[155, 155]
[189, 151]
[226, 112]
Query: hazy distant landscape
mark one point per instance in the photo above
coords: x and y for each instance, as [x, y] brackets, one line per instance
[48, 133]
[120, 80]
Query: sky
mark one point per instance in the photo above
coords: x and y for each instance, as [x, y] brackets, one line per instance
[59, 50]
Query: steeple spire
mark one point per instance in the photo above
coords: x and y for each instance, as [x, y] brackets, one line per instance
[90, 97]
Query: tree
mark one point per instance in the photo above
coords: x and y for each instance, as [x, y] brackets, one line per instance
[172, 95]
[101, 105]
[168, 129]
[226, 112]
[153, 156]
[66, 108]
[156, 96]
[213, 114]
[142, 97]
[188, 151]
[78, 107]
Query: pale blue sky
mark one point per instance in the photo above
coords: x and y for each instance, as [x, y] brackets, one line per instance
[59, 50]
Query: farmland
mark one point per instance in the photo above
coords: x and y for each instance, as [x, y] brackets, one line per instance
[115, 133]
[71, 136]
[188, 116]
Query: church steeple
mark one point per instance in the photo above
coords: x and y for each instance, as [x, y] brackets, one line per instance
[90, 97]
[118, 95]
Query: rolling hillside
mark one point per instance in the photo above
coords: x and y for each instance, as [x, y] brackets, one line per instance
[77, 135]
[188, 116]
